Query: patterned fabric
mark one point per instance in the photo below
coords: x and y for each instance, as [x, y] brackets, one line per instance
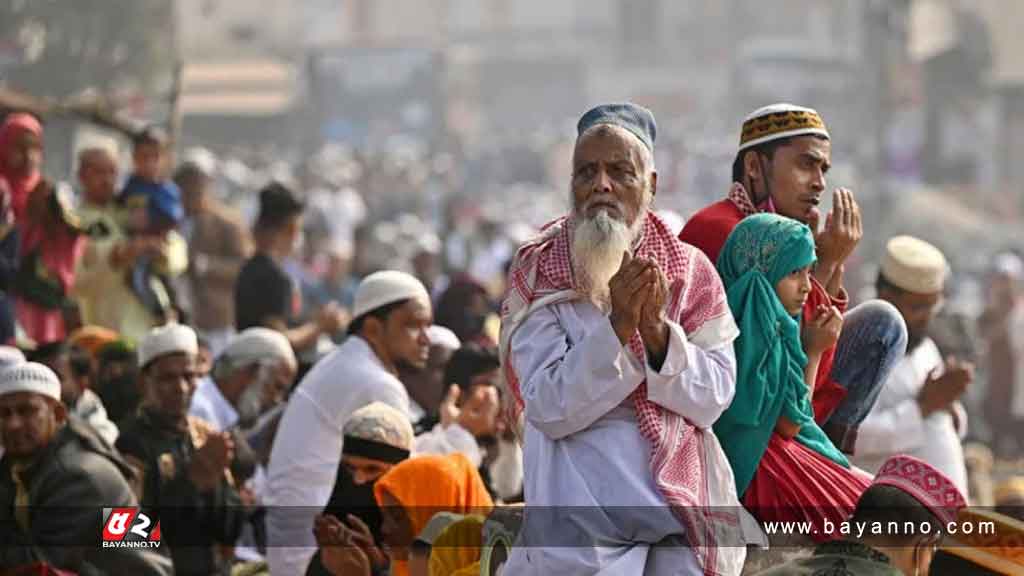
[780, 121]
[926, 484]
[762, 250]
[738, 195]
[542, 275]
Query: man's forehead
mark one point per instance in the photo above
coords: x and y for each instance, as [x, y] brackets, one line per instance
[20, 399]
[607, 142]
[812, 145]
[172, 361]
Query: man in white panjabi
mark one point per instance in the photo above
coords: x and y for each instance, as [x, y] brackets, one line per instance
[617, 345]
[918, 411]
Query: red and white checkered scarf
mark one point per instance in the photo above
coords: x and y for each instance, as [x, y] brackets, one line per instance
[543, 269]
[739, 196]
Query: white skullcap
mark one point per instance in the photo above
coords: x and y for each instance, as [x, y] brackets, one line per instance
[202, 159]
[380, 422]
[443, 337]
[387, 287]
[1009, 265]
[914, 265]
[256, 344]
[29, 377]
[9, 355]
[167, 339]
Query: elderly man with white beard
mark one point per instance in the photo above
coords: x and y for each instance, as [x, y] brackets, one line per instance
[617, 345]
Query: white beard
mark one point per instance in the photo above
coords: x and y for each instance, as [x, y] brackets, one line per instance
[597, 247]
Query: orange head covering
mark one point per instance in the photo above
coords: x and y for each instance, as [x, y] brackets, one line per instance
[92, 338]
[456, 550]
[428, 484]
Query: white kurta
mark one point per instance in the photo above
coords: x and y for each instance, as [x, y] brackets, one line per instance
[307, 448]
[583, 451]
[895, 426]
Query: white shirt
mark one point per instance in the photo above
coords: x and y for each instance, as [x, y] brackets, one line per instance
[210, 404]
[583, 448]
[90, 408]
[895, 425]
[307, 448]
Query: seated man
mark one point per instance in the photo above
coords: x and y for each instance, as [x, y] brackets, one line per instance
[72, 368]
[55, 474]
[784, 153]
[919, 411]
[184, 461]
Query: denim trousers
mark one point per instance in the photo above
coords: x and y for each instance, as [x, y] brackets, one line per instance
[873, 341]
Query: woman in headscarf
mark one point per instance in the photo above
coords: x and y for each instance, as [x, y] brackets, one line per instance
[50, 240]
[409, 495]
[377, 437]
[785, 467]
[21, 155]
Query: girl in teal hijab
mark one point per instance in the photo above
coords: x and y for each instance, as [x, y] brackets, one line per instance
[781, 459]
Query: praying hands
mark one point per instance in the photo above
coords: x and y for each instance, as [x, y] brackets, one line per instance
[639, 291]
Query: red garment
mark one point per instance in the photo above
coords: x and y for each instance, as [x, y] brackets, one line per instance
[59, 250]
[796, 484]
[708, 230]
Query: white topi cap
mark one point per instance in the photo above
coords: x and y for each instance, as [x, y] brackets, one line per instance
[167, 339]
[387, 287]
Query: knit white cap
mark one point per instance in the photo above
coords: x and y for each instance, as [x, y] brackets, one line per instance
[387, 287]
[29, 377]
[914, 265]
[255, 344]
[167, 339]
[443, 337]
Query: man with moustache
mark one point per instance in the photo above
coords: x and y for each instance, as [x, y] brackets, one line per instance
[784, 153]
[918, 412]
[617, 345]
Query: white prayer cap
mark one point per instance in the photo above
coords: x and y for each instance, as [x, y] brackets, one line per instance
[256, 344]
[914, 265]
[167, 339]
[29, 377]
[202, 159]
[9, 356]
[387, 287]
[380, 422]
[443, 337]
[1009, 265]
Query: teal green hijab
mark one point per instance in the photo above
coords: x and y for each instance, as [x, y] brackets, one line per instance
[762, 250]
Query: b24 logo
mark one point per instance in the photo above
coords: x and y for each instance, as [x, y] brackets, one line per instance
[129, 528]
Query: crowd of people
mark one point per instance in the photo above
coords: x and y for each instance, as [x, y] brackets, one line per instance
[277, 396]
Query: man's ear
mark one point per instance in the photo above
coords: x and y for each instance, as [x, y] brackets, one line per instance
[60, 412]
[654, 183]
[751, 167]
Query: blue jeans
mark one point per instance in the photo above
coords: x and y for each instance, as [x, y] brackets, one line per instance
[873, 341]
